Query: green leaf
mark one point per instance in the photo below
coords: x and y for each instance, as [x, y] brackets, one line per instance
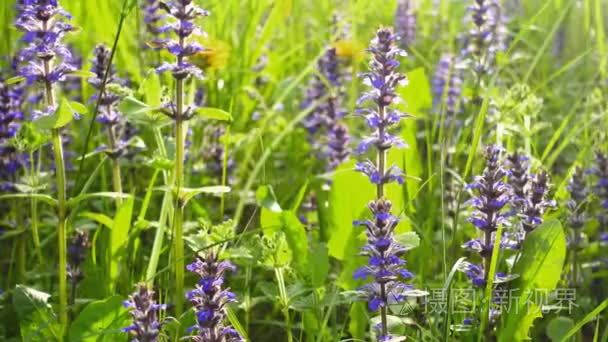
[140, 112]
[559, 327]
[295, 234]
[82, 74]
[14, 80]
[119, 237]
[99, 218]
[151, 89]
[265, 198]
[213, 114]
[349, 195]
[78, 107]
[74, 201]
[318, 258]
[408, 240]
[41, 197]
[37, 321]
[539, 267]
[100, 321]
[60, 118]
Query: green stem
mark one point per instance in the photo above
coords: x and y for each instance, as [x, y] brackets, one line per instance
[60, 181]
[381, 165]
[21, 245]
[278, 271]
[61, 225]
[178, 212]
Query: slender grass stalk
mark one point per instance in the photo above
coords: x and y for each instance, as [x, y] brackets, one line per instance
[116, 177]
[34, 213]
[165, 211]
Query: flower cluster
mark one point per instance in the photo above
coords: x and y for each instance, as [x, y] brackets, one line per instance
[119, 130]
[209, 299]
[536, 202]
[385, 264]
[600, 171]
[145, 311]
[489, 203]
[214, 153]
[487, 35]
[383, 79]
[578, 195]
[184, 12]
[77, 253]
[405, 23]
[153, 17]
[326, 116]
[46, 59]
[108, 114]
[518, 174]
[447, 85]
[11, 99]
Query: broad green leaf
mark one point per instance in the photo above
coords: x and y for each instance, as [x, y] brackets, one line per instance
[539, 267]
[100, 321]
[408, 240]
[265, 198]
[140, 112]
[60, 118]
[297, 240]
[559, 327]
[318, 259]
[348, 198]
[151, 89]
[99, 218]
[37, 321]
[213, 114]
[358, 321]
[119, 236]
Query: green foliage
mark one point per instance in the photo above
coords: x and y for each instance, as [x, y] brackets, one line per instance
[544, 251]
[100, 320]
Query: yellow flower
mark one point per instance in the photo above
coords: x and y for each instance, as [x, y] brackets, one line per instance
[214, 56]
[349, 49]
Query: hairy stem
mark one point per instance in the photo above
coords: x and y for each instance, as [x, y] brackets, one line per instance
[178, 213]
[60, 181]
[381, 160]
[34, 214]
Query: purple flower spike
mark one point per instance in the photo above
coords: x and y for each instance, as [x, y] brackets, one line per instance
[44, 24]
[600, 171]
[145, 311]
[326, 133]
[405, 23]
[487, 35]
[11, 100]
[385, 266]
[77, 253]
[447, 86]
[209, 299]
[491, 197]
[518, 174]
[536, 202]
[183, 13]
